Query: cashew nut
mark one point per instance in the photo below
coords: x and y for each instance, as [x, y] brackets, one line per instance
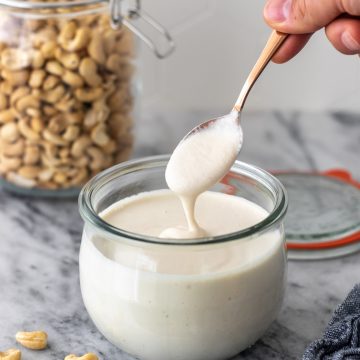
[10, 163]
[110, 39]
[36, 78]
[114, 63]
[72, 79]
[97, 158]
[51, 150]
[11, 354]
[88, 356]
[54, 95]
[6, 87]
[14, 149]
[33, 112]
[110, 147]
[29, 172]
[96, 49]
[75, 118]
[50, 82]
[70, 61]
[68, 31]
[71, 133]
[27, 102]
[57, 124]
[16, 78]
[80, 177]
[76, 43]
[27, 131]
[60, 177]
[48, 49]
[50, 162]
[15, 59]
[46, 174]
[44, 35]
[55, 68]
[53, 138]
[88, 70]
[79, 145]
[118, 100]
[49, 110]
[26, 183]
[99, 135]
[67, 103]
[38, 60]
[9, 132]
[37, 124]
[31, 155]
[99, 113]
[36, 340]
[88, 94]
[125, 46]
[7, 116]
[18, 94]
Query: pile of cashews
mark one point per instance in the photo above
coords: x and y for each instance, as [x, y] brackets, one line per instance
[65, 99]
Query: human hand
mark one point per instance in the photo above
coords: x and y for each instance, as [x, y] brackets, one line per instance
[301, 18]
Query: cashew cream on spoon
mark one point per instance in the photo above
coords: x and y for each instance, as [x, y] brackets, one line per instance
[199, 162]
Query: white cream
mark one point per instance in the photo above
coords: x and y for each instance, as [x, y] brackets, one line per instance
[198, 163]
[207, 301]
[173, 302]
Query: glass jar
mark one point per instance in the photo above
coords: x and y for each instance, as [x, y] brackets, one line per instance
[154, 310]
[66, 92]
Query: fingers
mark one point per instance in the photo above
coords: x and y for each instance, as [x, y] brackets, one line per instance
[292, 45]
[344, 34]
[306, 16]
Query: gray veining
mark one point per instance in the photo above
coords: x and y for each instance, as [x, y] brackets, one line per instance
[40, 239]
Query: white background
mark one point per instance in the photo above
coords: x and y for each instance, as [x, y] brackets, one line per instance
[218, 42]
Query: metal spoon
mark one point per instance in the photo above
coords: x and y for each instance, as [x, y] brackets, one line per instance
[274, 42]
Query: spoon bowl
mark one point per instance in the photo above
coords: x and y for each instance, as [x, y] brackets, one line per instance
[206, 124]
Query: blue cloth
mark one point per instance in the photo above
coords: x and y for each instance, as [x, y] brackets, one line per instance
[341, 340]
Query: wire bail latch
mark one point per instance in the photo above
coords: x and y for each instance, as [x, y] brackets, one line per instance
[123, 14]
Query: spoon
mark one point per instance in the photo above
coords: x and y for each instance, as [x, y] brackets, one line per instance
[274, 42]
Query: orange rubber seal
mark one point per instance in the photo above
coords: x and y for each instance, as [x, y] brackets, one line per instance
[339, 174]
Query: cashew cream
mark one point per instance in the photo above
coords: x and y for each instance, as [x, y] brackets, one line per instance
[199, 162]
[173, 302]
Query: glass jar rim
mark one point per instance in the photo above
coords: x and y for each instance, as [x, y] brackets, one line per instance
[32, 5]
[89, 214]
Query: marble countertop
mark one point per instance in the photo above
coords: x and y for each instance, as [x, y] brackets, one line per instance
[40, 239]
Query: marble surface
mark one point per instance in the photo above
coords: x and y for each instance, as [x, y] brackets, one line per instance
[40, 239]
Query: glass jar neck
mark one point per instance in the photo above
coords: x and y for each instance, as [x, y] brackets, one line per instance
[120, 13]
[94, 191]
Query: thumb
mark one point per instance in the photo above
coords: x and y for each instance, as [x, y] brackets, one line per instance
[306, 16]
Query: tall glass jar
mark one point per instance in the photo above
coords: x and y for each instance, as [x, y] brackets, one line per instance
[66, 93]
[216, 296]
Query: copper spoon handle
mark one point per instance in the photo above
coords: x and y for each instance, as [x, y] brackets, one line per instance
[275, 40]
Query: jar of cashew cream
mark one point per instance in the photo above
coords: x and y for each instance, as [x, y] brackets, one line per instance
[207, 298]
[67, 92]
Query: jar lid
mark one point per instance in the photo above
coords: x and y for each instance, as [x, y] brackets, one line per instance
[323, 218]
[122, 12]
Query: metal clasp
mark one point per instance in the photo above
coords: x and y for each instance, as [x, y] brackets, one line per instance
[123, 14]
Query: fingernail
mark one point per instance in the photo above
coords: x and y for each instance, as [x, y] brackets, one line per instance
[277, 10]
[349, 42]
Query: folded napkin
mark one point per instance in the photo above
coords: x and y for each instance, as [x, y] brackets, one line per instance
[341, 340]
